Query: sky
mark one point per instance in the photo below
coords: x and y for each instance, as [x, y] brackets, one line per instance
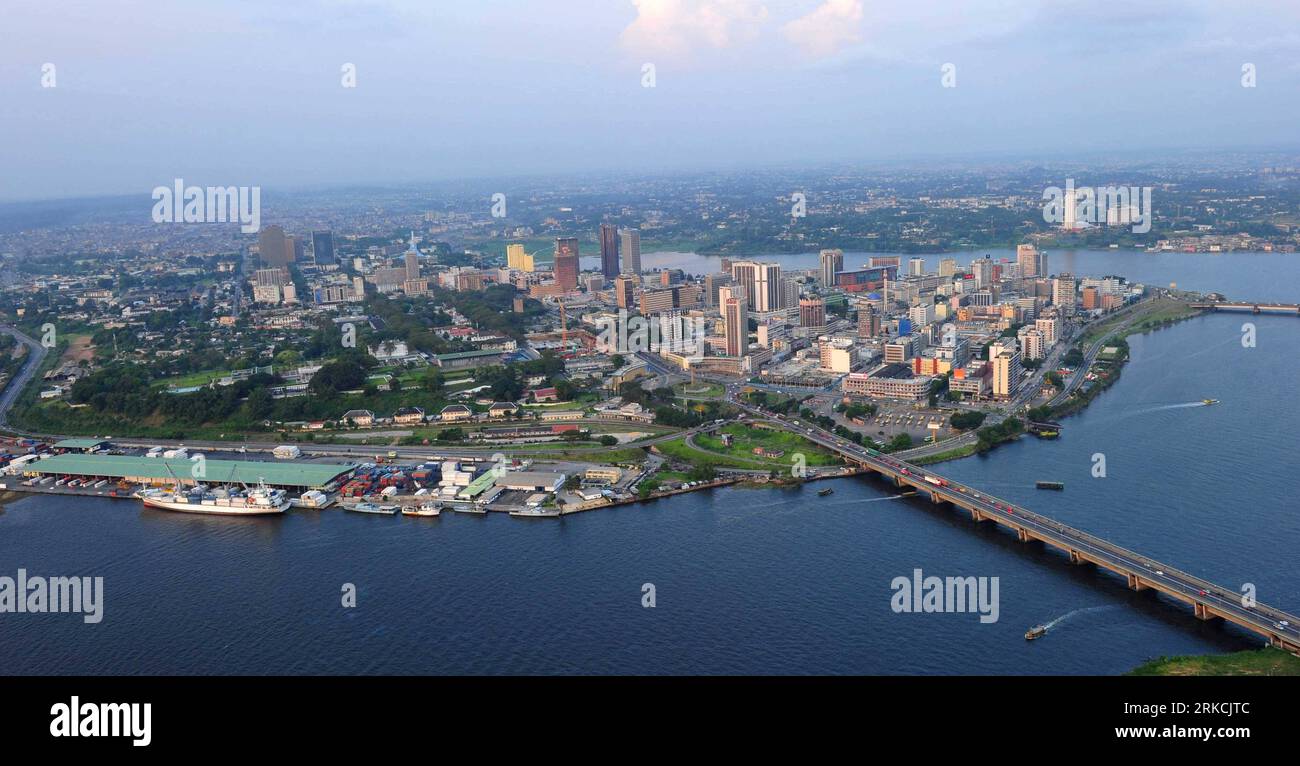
[247, 92]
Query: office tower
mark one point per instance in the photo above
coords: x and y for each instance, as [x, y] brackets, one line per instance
[658, 301]
[1091, 298]
[1063, 294]
[322, 248]
[868, 322]
[1032, 343]
[983, 270]
[789, 293]
[517, 258]
[274, 247]
[412, 263]
[761, 283]
[948, 267]
[1030, 263]
[566, 263]
[609, 251]
[877, 261]
[712, 284]
[737, 321]
[812, 312]
[631, 247]
[832, 262]
[624, 292]
[916, 267]
[297, 247]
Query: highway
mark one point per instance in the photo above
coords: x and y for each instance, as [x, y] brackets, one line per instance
[1208, 599]
[35, 357]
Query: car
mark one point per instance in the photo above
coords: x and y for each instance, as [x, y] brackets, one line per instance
[1203, 593]
[1160, 573]
[1284, 624]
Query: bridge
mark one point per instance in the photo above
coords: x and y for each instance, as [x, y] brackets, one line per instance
[1208, 600]
[1252, 308]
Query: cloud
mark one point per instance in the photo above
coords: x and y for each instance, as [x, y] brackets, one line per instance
[827, 29]
[678, 28]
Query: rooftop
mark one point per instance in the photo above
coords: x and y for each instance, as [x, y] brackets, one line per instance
[280, 473]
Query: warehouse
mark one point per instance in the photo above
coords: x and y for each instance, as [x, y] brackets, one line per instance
[80, 445]
[143, 470]
[531, 481]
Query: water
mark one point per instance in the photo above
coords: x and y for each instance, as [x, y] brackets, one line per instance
[1247, 275]
[746, 581]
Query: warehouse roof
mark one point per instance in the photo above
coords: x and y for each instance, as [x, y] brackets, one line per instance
[78, 443]
[283, 474]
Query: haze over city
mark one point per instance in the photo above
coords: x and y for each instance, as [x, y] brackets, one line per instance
[245, 93]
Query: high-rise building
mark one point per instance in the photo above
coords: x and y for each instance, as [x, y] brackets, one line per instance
[1032, 343]
[631, 247]
[916, 267]
[566, 263]
[832, 262]
[624, 292]
[761, 283]
[275, 250]
[273, 277]
[517, 258]
[322, 248]
[1030, 261]
[1006, 372]
[948, 267]
[1063, 294]
[812, 312]
[1091, 298]
[713, 283]
[658, 301]
[737, 322]
[868, 322]
[609, 266]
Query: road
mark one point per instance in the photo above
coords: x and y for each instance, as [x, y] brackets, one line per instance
[1224, 602]
[35, 358]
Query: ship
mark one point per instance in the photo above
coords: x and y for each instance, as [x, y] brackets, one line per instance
[426, 509]
[1208, 402]
[1050, 485]
[226, 501]
[371, 508]
[824, 492]
[1035, 632]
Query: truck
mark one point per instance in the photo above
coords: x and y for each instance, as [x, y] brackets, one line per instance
[287, 452]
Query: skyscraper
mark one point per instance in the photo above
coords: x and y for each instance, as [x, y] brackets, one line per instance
[761, 283]
[1028, 258]
[274, 247]
[322, 248]
[518, 258]
[624, 291]
[812, 312]
[631, 251]
[916, 267]
[609, 251]
[566, 263]
[832, 262]
[737, 322]
[1063, 294]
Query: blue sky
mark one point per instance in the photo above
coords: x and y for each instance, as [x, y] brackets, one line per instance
[233, 92]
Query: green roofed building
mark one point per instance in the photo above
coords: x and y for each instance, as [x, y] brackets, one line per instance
[80, 445]
[461, 360]
[152, 470]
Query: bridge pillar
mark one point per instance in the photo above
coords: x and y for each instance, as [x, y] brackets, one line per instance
[1135, 583]
[1202, 612]
[934, 498]
[1075, 558]
[1022, 534]
[976, 515]
[898, 480]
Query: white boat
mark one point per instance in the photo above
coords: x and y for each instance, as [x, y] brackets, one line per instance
[371, 508]
[425, 509]
[226, 501]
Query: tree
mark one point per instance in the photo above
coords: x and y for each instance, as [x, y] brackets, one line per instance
[394, 384]
[433, 381]
[260, 404]
[607, 440]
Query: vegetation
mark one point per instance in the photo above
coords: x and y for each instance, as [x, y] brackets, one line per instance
[1258, 662]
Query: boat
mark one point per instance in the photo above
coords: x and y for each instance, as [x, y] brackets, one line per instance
[541, 512]
[1035, 632]
[222, 501]
[1047, 434]
[1056, 485]
[824, 492]
[1208, 402]
[371, 508]
[425, 509]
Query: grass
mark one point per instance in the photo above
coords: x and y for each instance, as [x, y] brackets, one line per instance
[1257, 662]
[953, 454]
[700, 390]
[712, 452]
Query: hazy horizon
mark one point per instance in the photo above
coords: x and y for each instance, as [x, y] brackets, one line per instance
[233, 93]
